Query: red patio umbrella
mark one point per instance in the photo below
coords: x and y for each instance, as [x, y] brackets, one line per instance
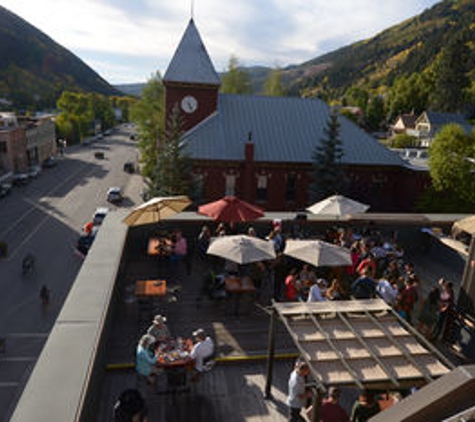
[231, 210]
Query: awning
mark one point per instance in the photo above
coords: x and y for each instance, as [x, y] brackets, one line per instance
[360, 343]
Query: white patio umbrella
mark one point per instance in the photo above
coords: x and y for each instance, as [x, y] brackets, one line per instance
[318, 253]
[242, 249]
[338, 205]
[157, 209]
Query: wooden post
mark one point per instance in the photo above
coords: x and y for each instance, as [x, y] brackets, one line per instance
[270, 354]
[466, 299]
[316, 405]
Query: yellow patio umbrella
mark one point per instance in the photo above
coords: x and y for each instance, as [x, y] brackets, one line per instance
[157, 209]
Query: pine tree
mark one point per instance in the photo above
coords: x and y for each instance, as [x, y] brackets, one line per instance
[451, 77]
[328, 173]
[171, 175]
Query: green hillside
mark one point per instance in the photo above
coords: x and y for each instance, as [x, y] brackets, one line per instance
[34, 69]
[375, 63]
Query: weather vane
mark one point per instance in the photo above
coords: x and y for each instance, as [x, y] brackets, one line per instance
[192, 8]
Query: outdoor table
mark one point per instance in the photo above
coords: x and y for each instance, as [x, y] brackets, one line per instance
[159, 246]
[151, 288]
[236, 288]
[239, 285]
[174, 358]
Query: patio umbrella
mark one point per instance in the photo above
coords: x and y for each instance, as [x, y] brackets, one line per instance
[338, 205]
[318, 253]
[231, 210]
[242, 249]
[465, 224]
[157, 209]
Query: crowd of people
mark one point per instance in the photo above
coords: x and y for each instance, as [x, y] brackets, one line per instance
[300, 395]
[379, 269]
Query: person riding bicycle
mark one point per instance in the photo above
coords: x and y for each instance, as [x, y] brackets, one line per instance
[28, 262]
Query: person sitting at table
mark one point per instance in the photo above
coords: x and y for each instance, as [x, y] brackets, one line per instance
[203, 349]
[145, 359]
[158, 330]
[317, 291]
[307, 274]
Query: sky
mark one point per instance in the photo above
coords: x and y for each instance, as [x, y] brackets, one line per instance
[127, 41]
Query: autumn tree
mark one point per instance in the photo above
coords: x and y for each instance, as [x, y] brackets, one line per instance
[235, 80]
[148, 113]
[328, 173]
[273, 86]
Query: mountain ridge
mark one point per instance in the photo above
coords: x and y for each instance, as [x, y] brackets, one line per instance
[35, 69]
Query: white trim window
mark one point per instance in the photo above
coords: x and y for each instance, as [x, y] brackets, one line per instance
[230, 187]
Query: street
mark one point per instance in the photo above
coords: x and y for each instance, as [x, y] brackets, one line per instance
[45, 218]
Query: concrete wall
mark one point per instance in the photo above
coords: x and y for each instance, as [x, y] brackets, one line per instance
[61, 386]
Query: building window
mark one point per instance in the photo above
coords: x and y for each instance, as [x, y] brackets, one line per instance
[262, 188]
[290, 187]
[3, 147]
[230, 184]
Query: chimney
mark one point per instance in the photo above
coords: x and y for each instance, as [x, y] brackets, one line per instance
[249, 184]
[249, 149]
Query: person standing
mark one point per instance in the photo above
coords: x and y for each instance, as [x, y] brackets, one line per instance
[365, 407]
[364, 287]
[331, 410]
[44, 295]
[298, 394]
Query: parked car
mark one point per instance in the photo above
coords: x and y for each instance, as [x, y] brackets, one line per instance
[99, 155]
[20, 179]
[85, 242]
[34, 171]
[114, 195]
[49, 163]
[129, 167]
[99, 215]
[5, 189]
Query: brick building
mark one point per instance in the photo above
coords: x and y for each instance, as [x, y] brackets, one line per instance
[24, 142]
[260, 148]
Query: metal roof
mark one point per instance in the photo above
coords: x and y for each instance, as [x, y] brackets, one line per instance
[284, 129]
[438, 119]
[360, 342]
[191, 62]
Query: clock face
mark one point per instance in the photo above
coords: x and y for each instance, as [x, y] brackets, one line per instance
[189, 104]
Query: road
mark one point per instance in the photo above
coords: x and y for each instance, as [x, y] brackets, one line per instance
[45, 217]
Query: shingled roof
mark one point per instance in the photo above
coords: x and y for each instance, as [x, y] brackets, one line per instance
[191, 62]
[284, 129]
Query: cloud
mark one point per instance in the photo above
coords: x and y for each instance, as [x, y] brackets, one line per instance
[132, 35]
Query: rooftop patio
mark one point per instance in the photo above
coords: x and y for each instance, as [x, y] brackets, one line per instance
[102, 321]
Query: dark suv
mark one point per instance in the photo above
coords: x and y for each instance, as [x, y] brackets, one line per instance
[129, 167]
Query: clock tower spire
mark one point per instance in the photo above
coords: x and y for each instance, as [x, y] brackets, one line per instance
[191, 82]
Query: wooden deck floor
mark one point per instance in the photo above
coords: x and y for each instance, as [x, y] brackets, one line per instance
[232, 391]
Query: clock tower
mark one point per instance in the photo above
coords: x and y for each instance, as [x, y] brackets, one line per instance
[191, 82]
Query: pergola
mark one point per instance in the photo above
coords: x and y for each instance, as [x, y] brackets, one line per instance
[362, 343]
